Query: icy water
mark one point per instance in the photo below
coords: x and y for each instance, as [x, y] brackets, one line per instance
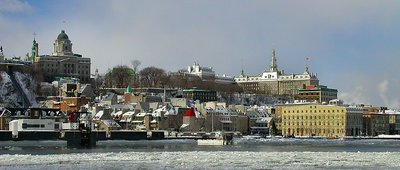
[186, 154]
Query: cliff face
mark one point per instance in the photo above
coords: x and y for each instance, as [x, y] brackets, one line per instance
[10, 95]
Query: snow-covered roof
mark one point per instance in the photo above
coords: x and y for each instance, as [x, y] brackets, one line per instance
[263, 120]
[119, 113]
[130, 113]
[98, 115]
[111, 123]
[141, 114]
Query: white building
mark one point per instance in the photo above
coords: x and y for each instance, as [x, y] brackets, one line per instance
[276, 82]
[206, 74]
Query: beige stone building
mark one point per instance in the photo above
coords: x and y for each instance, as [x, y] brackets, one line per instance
[63, 62]
[319, 120]
[275, 82]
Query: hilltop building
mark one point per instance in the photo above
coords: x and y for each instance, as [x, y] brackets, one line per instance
[205, 74]
[275, 82]
[63, 62]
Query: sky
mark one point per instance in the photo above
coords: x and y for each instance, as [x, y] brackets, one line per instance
[352, 46]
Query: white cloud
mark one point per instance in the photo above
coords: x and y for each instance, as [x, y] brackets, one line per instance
[359, 95]
[14, 6]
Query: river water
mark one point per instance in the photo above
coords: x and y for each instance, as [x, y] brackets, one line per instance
[186, 154]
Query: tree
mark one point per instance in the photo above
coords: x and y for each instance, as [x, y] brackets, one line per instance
[120, 77]
[152, 77]
[135, 65]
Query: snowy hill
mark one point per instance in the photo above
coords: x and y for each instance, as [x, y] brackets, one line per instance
[9, 94]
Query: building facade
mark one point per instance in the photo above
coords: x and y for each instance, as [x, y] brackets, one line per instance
[321, 94]
[275, 82]
[319, 120]
[201, 95]
[63, 62]
[203, 73]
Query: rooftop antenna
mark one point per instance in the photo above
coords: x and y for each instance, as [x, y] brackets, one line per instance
[306, 69]
[63, 24]
[242, 71]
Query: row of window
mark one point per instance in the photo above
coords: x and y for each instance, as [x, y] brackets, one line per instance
[313, 123]
[316, 131]
[312, 111]
[326, 117]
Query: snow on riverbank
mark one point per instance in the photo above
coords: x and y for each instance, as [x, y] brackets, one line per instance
[205, 160]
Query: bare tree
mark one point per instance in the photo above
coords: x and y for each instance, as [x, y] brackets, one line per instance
[135, 65]
[152, 76]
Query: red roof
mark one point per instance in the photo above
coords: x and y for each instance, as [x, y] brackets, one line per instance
[312, 87]
[190, 112]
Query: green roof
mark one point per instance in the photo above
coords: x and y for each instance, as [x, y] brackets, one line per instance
[129, 89]
[62, 36]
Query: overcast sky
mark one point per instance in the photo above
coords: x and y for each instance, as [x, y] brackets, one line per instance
[352, 45]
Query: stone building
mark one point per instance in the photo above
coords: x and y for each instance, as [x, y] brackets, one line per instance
[310, 119]
[63, 62]
[275, 82]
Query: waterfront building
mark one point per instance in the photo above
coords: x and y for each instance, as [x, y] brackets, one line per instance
[375, 123]
[260, 120]
[103, 120]
[321, 94]
[62, 62]
[192, 121]
[275, 82]
[220, 118]
[311, 119]
[394, 121]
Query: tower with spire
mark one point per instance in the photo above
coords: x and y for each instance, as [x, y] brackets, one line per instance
[274, 66]
[35, 49]
[1, 54]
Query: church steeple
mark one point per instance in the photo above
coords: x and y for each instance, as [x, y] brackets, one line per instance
[35, 48]
[242, 73]
[274, 66]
